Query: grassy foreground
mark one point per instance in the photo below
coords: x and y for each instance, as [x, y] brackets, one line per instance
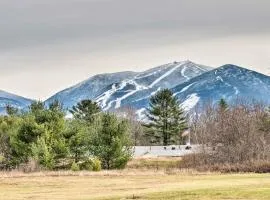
[134, 185]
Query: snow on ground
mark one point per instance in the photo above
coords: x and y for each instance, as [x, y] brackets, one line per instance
[184, 89]
[183, 72]
[69, 116]
[219, 78]
[138, 87]
[102, 100]
[147, 75]
[236, 90]
[119, 100]
[190, 102]
[165, 75]
[141, 115]
[205, 70]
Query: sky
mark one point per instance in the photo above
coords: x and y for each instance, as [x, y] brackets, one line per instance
[48, 45]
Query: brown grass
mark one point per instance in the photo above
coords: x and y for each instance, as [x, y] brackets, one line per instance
[151, 178]
[129, 184]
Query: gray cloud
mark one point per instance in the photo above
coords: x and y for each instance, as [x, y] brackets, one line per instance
[31, 22]
[39, 36]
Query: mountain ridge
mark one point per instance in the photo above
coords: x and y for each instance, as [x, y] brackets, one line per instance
[192, 83]
[7, 98]
[115, 92]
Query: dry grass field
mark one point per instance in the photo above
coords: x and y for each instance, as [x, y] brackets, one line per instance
[133, 184]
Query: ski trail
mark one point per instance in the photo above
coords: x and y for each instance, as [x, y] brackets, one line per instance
[190, 102]
[165, 75]
[102, 99]
[184, 89]
[183, 72]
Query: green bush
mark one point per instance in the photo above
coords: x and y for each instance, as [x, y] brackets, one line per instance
[75, 167]
[96, 164]
[86, 165]
[2, 158]
[91, 164]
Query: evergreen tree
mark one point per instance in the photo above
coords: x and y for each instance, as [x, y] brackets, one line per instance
[11, 110]
[41, 135]
[223, 106]
[27, 135]
[167, 119]
[111, 142]
[51, 145]
[8, 128]
[36, 106]
[85, 110]
[77, 138]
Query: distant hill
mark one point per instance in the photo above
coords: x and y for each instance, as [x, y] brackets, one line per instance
[13, 100]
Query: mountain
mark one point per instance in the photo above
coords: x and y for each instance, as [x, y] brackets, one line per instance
[89, 88]
[129, 89]
[193, 84]
[13, 100]
[229, 82]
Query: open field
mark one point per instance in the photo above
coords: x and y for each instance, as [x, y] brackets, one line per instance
[129, 184]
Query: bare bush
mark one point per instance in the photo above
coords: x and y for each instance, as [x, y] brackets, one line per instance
[239, 134]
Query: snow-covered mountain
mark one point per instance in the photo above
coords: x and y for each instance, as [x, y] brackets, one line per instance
[229, 82]
[129, 89]
[13, 100]
[89, 89]
[192, 83]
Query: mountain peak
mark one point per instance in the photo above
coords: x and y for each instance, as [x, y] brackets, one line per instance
[122, 89]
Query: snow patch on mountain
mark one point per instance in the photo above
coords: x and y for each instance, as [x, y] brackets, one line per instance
[166, 74]
[102, 99]
[236, 90]
[141, 114]
[183, 72]
[137, 88]
[184, 89]
[130, 89]
[12, 100]
[190, 102]
[219, 78]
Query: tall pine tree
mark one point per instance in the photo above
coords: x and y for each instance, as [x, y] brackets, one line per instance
[166, 117]
[85, 110]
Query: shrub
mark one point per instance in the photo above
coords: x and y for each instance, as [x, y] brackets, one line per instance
[75, 167]
[91, 164]
[96, 164]
[235, 138]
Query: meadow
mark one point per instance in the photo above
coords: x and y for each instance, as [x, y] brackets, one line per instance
[133, 184]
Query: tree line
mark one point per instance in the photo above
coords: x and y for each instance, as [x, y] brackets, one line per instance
[91, 140]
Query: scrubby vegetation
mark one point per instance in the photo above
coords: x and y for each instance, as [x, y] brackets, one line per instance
[41, 138]
[233, 138]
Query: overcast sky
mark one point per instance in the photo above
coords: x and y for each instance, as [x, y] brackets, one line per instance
[48, 45]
